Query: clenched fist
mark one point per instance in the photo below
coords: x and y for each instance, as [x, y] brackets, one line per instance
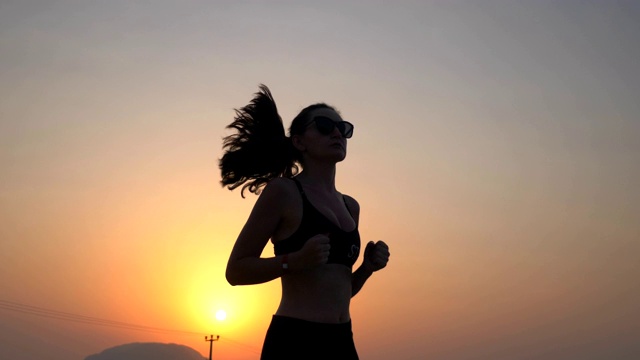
[314, 253]
[376, 256]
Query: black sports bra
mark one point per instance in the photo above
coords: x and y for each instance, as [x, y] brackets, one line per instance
[345, 245]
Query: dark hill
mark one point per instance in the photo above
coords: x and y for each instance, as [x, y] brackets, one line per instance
[147, 351]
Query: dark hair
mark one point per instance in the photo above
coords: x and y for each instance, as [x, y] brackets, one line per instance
[260, 150]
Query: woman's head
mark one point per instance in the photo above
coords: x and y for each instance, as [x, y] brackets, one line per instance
[260, 150]
[319, 124]
[305, 116]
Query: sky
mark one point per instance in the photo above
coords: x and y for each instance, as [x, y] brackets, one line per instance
[495, 150]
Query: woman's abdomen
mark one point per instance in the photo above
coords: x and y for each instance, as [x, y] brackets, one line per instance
[320, 295]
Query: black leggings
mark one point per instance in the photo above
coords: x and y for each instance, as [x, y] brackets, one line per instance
[290, 338]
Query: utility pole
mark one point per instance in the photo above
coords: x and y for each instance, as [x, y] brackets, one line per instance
[210, 339]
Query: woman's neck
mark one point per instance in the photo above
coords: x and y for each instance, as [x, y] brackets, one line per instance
[322, 178]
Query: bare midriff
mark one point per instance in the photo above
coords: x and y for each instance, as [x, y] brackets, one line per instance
[322, 294]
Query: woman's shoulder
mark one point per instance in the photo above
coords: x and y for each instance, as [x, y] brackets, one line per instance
[352, 203]
[281, 183]
[279, 187]
[277, 195]
[280, 195]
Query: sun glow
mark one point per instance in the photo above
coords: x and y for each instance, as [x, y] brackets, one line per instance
[221, 315]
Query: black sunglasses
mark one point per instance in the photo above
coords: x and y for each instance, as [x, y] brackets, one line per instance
[325, 126]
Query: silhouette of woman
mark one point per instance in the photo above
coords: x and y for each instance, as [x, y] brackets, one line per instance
[313, 227]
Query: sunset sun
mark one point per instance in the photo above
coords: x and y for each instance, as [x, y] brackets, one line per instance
[221, 315]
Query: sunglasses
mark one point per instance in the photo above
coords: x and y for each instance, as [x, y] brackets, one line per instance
[325, 126]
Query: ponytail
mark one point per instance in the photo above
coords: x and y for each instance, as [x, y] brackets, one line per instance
[260, 150]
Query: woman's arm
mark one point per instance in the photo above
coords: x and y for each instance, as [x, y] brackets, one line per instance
[376, 256]
[245, 266]
[360, 276]
[358, 279]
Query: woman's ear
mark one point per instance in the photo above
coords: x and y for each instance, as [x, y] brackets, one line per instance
[298, 143]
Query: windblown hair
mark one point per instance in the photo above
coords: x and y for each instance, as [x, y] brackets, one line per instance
[260, 150]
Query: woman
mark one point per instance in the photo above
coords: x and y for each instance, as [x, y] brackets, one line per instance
[313, 227]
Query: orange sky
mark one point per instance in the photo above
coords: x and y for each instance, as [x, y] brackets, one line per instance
[495, 151]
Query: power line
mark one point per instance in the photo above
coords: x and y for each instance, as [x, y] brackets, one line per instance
[247, 347]
[67, 316]
[61, 315]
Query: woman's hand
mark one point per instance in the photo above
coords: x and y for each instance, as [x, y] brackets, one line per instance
[376, 256]
[314, 253]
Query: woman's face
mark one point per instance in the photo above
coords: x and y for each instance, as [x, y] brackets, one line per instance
[323, 137]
